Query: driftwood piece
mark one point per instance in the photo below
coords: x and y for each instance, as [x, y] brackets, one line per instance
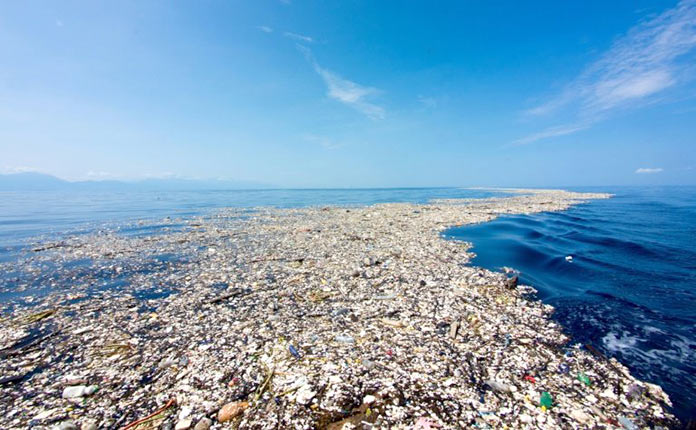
[25, 344]
[223, 297]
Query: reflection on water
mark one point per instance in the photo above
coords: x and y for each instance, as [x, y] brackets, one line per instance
[27, 214]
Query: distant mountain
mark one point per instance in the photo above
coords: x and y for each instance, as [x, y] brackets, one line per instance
[41, 182]
[30, 181]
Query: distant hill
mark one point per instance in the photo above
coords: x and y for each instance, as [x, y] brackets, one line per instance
[30, 181]
[41, 182]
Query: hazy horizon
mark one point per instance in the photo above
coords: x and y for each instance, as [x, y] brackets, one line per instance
[173, 183]
[359, 95]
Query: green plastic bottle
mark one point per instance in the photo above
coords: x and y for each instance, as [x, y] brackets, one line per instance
[546, 401]
[584, 379]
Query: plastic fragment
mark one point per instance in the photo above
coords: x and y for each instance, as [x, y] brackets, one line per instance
[79, 391]
[546, 401]
[627, 424]
[499, 386]
[582, 377]
[344, 339]
[635, 391]
[293, 351]
[425, 424]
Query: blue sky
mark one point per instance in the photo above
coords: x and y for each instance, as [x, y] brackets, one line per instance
[351, 94]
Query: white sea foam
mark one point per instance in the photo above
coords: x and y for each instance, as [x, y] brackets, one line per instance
[613, 342]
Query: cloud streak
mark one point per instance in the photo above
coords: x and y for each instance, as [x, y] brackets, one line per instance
[322, 141]
[642, 63]
[345, 91]
[653, 56]
[265, 28]
[550, 132]
[648, 170]
[298, 37]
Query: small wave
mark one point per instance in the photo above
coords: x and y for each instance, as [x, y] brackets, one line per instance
[622, 301]
[622, 245]
[629, 289]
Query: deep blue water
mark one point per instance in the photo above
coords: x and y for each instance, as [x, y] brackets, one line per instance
[630, 288]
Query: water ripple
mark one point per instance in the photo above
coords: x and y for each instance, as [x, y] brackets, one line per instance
[629, 288]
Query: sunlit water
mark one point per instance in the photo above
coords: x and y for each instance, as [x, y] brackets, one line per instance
[630, 288]
[31, 219]
[27, 215]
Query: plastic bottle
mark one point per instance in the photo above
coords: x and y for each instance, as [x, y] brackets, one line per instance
[344, 339]
[584, 379]
[546, 401]
[499, 386]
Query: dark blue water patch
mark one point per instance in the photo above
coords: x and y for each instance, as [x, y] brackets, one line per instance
[630, 287]
[153, 293]
[151, 229]
[27, 284]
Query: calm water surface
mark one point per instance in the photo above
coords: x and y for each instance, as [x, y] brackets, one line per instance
[630, 288]
[26, 216]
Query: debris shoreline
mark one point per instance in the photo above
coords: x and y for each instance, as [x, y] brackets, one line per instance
[327, 318]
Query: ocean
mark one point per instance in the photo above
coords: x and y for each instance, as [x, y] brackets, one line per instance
[630, 287]
[628, 290]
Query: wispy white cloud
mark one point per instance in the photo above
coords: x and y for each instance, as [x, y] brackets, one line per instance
[653, 56]
[322, 141]
[347, 92]
[298, 37]
[556, 131]
[648, 59]
[649, 170]
[265, 28]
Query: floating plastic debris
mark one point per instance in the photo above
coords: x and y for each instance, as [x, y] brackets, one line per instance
[293, 351]
[582, 377]
[344, 339]
[627, 424]
[546, 401]
[263, 325]
[426, 424]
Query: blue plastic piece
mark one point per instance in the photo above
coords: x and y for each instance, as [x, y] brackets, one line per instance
[293, 351]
